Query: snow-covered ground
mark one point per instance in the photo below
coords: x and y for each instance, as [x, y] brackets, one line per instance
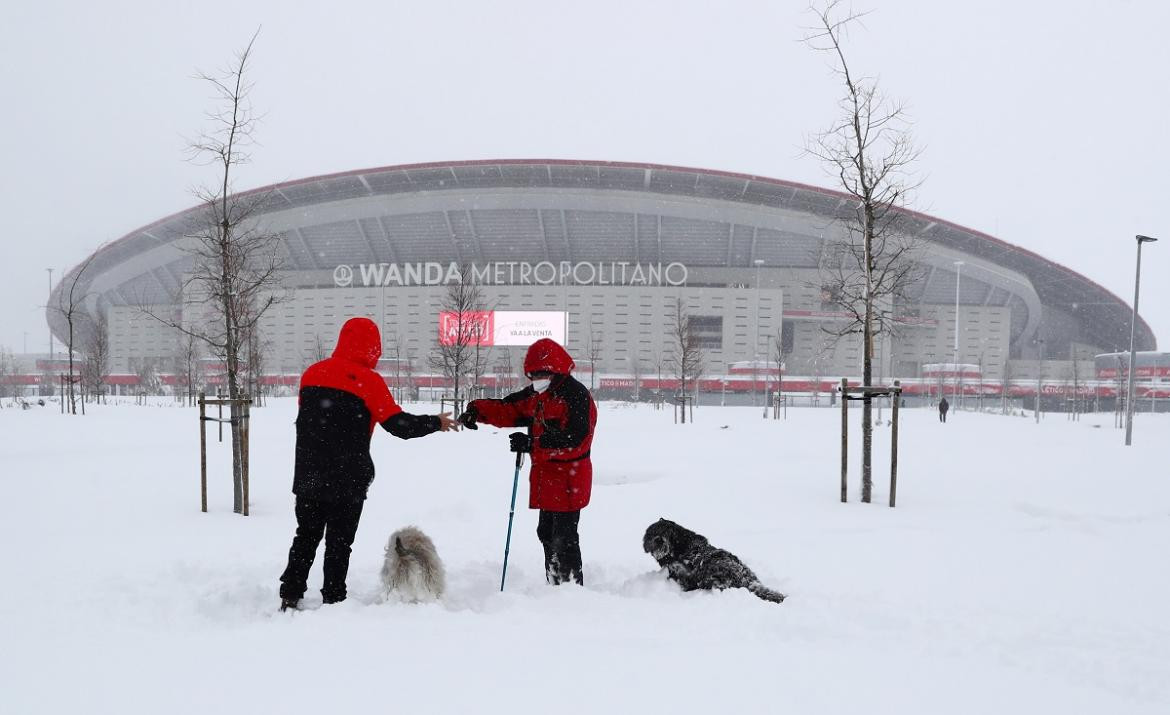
[1024, 571]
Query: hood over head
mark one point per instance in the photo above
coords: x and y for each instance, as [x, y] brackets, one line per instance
[545, 355]
[359, 342]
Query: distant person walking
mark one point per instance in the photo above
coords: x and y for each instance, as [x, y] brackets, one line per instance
[943, 407]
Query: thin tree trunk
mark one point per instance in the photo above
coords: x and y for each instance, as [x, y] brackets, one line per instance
[867, 366]
[231, 359]
[72, 399]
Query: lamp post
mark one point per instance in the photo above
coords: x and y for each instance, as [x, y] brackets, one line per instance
[47, 301]
[1039, 379]
[1137, 279]
[756, 335]
[767, 373]
[955, 360]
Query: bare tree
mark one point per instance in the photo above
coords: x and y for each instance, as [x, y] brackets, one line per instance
[255, 364]
[481, 361]
[70, 299]
[7, 373]
[659, 362]
[255, 352]
[146, 370]
[396, 351]
[188, 353]
[410, 391]
[506, 377]
[403, 368]
[96, 368]
[1120, 385]
[236, 264]
[821, 357]
[687, 350]
[636, 371]
[779, 355]
[457, 352]
[1006, 382]
[318, 351]
[594, 349]
[869, 151]
[1080, 390]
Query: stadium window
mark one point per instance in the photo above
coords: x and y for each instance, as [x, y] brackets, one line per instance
[709, 330]
[787, 336]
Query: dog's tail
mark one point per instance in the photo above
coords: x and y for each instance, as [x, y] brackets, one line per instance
[766, 593]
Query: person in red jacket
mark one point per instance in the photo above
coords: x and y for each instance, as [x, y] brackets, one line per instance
[342, 400]
[560, 416]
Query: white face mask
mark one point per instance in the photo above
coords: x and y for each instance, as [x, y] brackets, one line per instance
[541, 385]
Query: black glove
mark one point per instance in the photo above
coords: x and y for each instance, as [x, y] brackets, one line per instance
[468, 418]
[520, 442]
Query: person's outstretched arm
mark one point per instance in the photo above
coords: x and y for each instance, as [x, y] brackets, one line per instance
[515, 410]
[407, 426]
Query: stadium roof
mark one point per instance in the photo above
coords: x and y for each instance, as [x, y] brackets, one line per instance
[468, 211]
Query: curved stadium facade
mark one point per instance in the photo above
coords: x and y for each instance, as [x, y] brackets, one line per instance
[612, 245]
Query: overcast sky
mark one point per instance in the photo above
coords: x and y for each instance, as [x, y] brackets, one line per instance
[1042, 123]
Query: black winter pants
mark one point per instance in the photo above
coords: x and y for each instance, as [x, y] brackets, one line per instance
[557, 531]
[337, 521]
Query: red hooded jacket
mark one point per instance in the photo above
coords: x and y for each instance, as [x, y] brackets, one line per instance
[342, 398]
[560, 421]
[351, 369]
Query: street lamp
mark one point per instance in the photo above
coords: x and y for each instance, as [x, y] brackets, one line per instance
[955, 360]
[767, 373]
[47, 301]
[1137, 279]
[1039, 379]
[756, 336]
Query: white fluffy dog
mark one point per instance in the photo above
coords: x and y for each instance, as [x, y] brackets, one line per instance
[412, 571]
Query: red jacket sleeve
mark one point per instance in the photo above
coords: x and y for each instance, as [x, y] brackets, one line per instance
[515, 410]
[378, 399]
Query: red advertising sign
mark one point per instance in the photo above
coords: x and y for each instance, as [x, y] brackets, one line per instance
[501, 327]
[469, 328]
[617, 383]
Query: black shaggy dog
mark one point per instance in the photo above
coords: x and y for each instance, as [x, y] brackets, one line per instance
[695, 564]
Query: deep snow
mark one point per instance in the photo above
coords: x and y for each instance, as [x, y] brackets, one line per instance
[1023, 571]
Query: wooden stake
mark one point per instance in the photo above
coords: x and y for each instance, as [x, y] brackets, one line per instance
[202, 454]
[844, 439]
[894, 444]
[245, 439]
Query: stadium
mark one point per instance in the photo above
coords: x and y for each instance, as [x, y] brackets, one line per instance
[611, 248]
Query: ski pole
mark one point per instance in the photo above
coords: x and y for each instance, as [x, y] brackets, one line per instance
[511, 513]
